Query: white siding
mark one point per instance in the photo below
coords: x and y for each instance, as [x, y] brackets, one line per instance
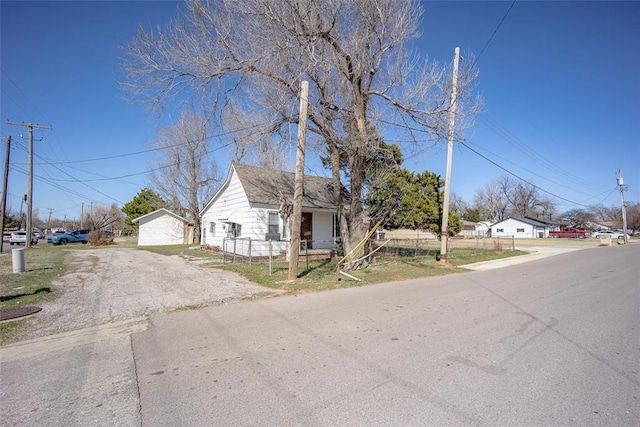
[231, 201]
[161, 229]
[230, 204]
[518, 229]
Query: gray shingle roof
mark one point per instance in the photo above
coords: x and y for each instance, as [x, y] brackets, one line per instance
[263, 186]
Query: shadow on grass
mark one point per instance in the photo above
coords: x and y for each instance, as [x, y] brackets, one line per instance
[309, 270]
[37, 291]
[421, 262]
[38, 269]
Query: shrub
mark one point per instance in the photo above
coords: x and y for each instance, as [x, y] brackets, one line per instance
[100, 238]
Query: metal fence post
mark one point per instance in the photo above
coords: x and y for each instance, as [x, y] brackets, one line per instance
[234, 249]
[306, 252]
[224, 250]
[270, 257]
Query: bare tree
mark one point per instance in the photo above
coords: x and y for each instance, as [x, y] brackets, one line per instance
[507, 196]
[185, 171]
[579, 218]
[104, 218]
[253, 141]
[491, 202]
[633, 216]
[458, 203]
[604, 213]
[353, 52]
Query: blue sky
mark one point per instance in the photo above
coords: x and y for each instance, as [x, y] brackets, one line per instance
[559, 82]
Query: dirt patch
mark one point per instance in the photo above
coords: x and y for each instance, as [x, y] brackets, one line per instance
[113, 284]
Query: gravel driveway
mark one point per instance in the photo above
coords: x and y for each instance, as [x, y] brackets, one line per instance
[112, 284]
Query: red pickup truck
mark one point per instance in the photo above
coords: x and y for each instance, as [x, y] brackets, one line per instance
[570, 232]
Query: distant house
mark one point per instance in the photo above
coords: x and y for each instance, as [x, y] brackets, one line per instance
[552, 225]
[520, 228]
[468, 229]
[244, 215]
[163, 227]
[483, 229]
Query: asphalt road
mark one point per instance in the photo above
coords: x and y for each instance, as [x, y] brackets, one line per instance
[554, 341]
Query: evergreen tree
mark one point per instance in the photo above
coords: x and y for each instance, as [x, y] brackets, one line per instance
[410, 200]
[146, 201]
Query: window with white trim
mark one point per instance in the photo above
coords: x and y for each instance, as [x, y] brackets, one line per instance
[520, 230]
[212, 228]
[234, 229]
[274, 223]
[499, 230]
[336, 227]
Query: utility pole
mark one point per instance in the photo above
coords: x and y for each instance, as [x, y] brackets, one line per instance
[82, 216]
[624, 207]
[24, 199]
[30, 128]
[5, 184]
[49, 220]
[299, 182]
[444, 235]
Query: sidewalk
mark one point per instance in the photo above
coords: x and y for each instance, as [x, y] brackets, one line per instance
[535, 252]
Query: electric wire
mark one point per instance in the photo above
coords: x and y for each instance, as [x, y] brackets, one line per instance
[522, 179]
[494, 32]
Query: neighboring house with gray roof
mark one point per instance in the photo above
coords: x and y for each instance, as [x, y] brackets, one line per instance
[247, 209]
[520, 228]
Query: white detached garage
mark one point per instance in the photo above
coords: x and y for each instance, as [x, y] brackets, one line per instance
[162, 227]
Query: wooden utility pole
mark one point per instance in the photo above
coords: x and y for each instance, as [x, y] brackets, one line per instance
[49, 220]
[624, 207]
[296, 218]
[5, 185]
[444, 236]
[30, 128]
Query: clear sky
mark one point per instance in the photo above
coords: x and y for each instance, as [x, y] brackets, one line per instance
[559, 82]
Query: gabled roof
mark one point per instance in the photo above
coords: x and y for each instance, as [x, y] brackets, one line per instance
[529, 221]
[163, 211]
[263, 186]
[547, 222]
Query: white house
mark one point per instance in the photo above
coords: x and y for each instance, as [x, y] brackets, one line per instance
[483, 229]
[162, 227]
[520, 228]
[245, 213]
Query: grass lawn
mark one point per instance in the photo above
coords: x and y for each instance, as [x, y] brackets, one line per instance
[323, 276]
[45, 262]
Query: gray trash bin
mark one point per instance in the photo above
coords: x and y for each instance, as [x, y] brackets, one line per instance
[17, 257]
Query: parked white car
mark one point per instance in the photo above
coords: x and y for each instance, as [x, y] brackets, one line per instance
[20, 238]
[614, 234]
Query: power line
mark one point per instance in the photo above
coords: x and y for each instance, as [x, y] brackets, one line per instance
[150, 150]
[522, 179]
[494, 33]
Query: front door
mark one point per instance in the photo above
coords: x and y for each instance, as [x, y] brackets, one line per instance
[305, 229]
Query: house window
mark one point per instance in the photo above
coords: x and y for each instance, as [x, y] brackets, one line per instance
[520, 230]
[499, 230]
[274, 223]
[234, 229]
[212, 228]
[336, 227]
